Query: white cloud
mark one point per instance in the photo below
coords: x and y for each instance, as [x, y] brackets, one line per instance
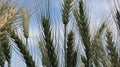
[99, 8]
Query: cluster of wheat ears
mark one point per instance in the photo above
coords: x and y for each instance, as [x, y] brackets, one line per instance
[97, 53]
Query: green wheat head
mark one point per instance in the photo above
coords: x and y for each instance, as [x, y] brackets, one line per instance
[71, 55]
[6, 48]
[2, 56]
[66, 11]
[45, 57]
[113, 54]
[97, 51]
[25, 21]
[67, 6]
[83, 25]
[95, 54]
[49, 45]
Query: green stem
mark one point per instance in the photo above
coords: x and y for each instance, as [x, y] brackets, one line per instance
[65, 47]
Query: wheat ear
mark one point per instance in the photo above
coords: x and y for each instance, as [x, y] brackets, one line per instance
[83, 25]
[65, 18]
[71, 55]
[49, 45]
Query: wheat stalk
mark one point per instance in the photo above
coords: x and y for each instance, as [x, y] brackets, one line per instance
[65, 18]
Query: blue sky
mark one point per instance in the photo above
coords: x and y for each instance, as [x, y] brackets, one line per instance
[99, 9]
